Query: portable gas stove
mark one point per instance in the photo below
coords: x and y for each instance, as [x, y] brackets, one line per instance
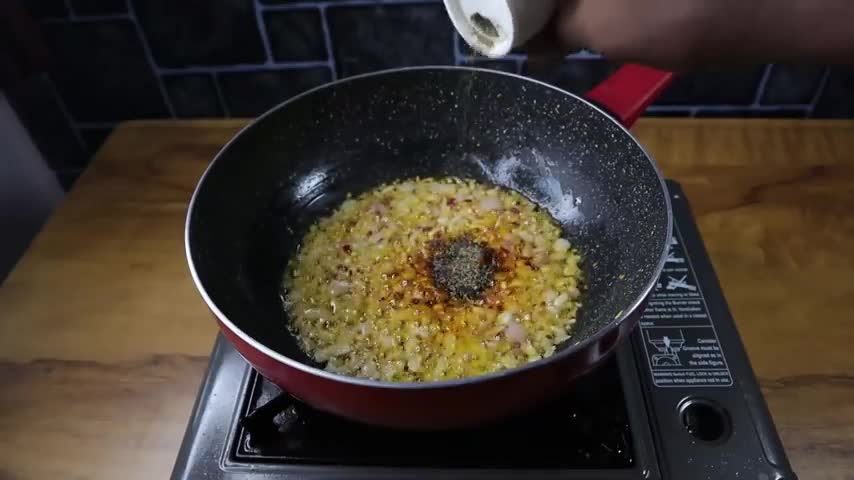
[679, 401]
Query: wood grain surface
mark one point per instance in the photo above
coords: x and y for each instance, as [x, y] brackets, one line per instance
[104, 340]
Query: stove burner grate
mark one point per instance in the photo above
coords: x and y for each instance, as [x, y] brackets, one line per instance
[587, 428]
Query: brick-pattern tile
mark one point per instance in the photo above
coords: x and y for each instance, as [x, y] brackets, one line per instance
[370, 38]
[296, 35]
[714, 86]
[201, 32]
[792, 84]
[210, 58]
[41, 114]
[249, 94]
[101, 71]
[193, 95]
[837, 99]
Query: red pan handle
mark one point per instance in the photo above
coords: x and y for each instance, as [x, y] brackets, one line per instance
[629, 91]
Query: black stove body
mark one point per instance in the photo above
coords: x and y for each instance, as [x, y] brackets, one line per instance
[679, 401]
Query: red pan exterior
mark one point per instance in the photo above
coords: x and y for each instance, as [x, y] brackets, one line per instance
[437, 408]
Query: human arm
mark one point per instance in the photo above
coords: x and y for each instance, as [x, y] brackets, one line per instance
[687, 33]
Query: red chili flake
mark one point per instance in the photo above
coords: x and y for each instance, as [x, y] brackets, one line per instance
[451, 202]
[347, 248]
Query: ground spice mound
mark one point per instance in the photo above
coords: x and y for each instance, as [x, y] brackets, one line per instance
[432, 279]
[462, 267]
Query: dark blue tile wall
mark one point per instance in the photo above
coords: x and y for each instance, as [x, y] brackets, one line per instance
[193, 95]
[41, 110]
[836, 98]
[48, 8]
[249, 94]
[101, 71]
[115, 60]
[368, 38]
[98, 7]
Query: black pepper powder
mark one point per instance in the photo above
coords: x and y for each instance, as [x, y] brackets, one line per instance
[462, 267]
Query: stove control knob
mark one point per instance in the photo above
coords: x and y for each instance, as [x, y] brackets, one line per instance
[705, 420]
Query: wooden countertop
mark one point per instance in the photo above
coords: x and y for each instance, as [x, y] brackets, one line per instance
[104, 339]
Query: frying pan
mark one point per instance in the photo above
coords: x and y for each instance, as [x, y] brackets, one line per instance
[571, 155]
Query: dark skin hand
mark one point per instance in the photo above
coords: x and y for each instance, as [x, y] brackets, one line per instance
[683, 34]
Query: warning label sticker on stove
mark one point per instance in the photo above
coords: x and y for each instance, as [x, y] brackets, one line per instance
[679, 338]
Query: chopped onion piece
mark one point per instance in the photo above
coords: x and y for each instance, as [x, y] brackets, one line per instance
[339, 287]
[561, 245]
[515, 332]
[414, 363]
[490, 203]
[379, 208]
[444, 188]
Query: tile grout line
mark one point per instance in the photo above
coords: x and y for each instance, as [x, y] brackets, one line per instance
[327, 41]
[763, 82]
[262, 31]
[149, 57]
[226, 112]
[243, 68]
[819, 91]
[75, 129]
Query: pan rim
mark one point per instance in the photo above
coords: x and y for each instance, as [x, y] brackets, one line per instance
[441, 384]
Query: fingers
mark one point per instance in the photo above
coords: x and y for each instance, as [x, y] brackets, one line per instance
[547, 50]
